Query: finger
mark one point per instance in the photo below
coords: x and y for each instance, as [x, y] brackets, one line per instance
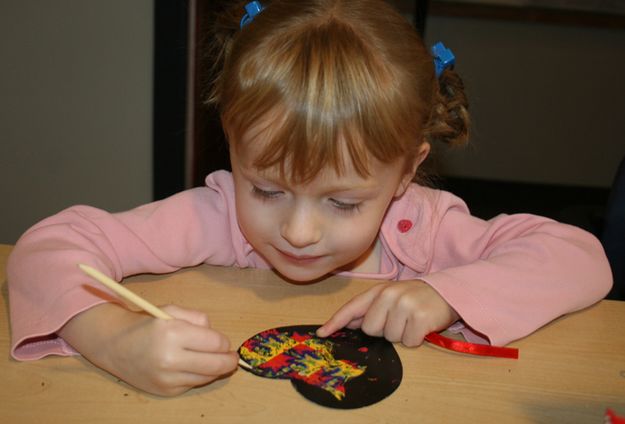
[204, 340]
[180, 382]
[354, 324]
[376, 318]
[355, 309]
[395, 326]
[209, 364]
[413, 334]
[188, 315]
[187, 380]
[173, 380]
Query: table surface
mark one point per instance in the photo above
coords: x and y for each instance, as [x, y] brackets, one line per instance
[570, 371]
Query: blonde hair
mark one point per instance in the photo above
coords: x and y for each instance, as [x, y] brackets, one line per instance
[335, 76]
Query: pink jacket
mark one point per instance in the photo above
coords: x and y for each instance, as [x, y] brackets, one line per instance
[505, 277]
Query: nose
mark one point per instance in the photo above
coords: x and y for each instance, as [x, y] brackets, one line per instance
[301, 227]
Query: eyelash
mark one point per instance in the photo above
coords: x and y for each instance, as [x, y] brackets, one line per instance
[345, 208]
[341, 207]
[265, 194]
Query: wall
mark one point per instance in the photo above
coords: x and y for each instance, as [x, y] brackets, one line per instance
[76, 93]
[548, 101]
[75, 107]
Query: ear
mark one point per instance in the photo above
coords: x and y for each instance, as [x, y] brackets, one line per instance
[422, 153]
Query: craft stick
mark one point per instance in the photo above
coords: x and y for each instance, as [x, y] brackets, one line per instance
[124, 292]
[133, 298]
[244, 364]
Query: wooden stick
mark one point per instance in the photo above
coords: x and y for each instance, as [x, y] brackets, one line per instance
[124, 292]
[133, 298]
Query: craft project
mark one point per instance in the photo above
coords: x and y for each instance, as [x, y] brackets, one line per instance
[345, 370]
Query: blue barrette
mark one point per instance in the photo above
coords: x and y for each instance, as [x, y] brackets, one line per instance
[253, 9]
[443, 58]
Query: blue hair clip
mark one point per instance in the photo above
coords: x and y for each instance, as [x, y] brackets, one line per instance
[443, 58]
[253, 9]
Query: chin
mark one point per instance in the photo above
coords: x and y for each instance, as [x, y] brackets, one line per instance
[301, 278]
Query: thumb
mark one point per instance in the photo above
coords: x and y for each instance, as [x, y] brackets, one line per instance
[352, 312]
[189, 315]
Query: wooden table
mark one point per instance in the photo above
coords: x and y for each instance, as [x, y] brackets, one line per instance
[571, 371]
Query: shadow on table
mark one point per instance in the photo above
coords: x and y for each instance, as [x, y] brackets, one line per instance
[266, 286]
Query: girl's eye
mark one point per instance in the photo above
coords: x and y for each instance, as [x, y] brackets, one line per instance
[265, 194]
[345, 206]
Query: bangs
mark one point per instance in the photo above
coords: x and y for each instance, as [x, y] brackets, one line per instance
[320, 96]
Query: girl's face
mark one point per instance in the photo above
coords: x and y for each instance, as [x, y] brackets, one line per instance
[306, 231]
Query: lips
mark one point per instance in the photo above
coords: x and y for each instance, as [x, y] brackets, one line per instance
[299, 259]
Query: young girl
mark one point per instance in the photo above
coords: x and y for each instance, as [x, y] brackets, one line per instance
[330, 107]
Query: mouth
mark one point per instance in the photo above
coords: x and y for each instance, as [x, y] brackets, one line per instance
[299, 259]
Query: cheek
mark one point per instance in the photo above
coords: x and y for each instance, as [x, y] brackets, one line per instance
[356, 235]
[256, 220]
[247, 215]
[359, 233]
[248, 220]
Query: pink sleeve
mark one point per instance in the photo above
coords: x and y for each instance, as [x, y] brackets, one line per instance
[509, 276]
[46, 288]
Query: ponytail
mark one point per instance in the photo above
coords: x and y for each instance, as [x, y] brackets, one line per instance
[449, 120]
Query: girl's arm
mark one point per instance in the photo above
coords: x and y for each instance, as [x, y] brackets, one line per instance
[46, 289]
[511, 275]
[505, 277]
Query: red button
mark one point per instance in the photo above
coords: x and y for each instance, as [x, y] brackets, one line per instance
[404, 225]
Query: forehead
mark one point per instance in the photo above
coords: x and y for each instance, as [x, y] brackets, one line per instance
[299, 157]
[327, 179]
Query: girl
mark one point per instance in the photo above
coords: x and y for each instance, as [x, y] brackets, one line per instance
[330, 107]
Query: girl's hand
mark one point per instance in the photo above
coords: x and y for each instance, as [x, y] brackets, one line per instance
[163, 357]
[399, 311]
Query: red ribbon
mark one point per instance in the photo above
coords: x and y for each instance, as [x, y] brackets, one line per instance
[472, 348]
[612, 418]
